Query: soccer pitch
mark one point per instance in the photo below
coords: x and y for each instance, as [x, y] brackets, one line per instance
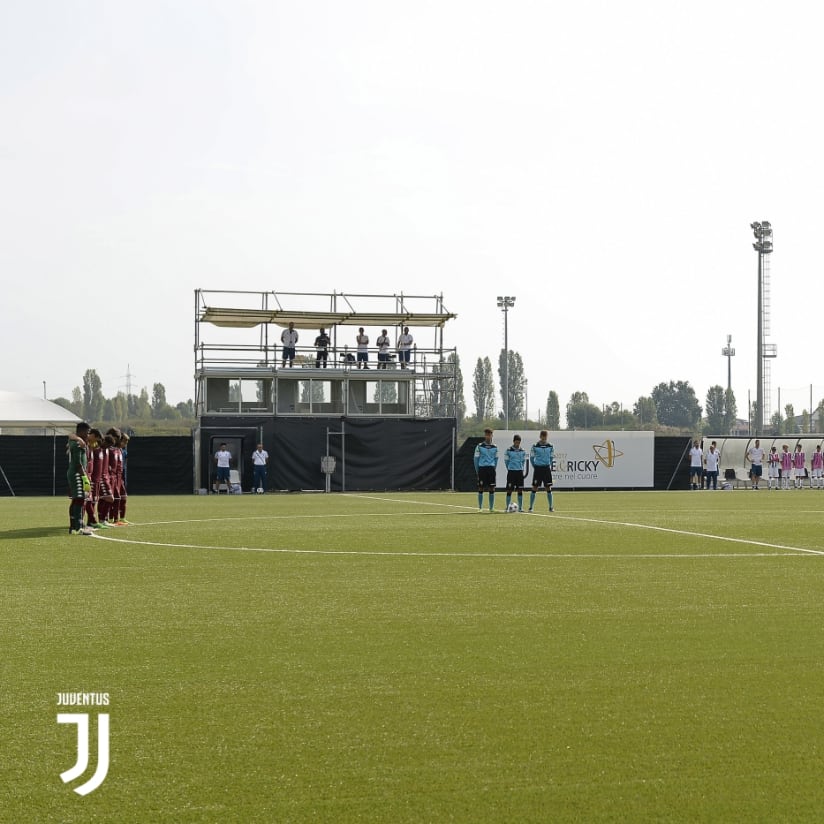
[633, 656]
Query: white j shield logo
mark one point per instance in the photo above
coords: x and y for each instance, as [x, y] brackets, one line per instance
[82, 721]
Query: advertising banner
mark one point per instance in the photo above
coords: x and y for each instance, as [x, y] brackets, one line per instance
[598, 460]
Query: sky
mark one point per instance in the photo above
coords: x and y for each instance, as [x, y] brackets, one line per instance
[600, 161]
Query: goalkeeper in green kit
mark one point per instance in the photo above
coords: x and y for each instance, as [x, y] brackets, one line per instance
[78, 479]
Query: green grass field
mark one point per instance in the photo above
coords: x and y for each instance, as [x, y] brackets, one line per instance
[403, 658]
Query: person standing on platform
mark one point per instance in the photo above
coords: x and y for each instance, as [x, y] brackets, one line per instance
[384, 344]
[362, 340]
[289, 339]
[405, 342]
[321, 350]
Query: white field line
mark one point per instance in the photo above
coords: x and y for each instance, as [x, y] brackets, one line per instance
[779, 549]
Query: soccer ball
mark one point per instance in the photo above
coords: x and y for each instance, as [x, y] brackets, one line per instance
[513, 507]
[259, 490]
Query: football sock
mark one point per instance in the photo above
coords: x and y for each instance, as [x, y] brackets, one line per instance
[491, 501]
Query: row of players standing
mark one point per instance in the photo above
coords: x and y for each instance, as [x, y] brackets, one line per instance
[289, 338]
[96, 477]
[785, 469]
[541, 454]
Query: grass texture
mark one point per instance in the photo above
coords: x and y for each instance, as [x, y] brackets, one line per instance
[404, 658]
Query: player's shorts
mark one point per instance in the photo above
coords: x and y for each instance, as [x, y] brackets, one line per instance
[541, 475]
[383, 357]
[486, 477]
[817, 473]
[757, 470]
[514, 479]
[363, 357]
[404, 355]
[222, 474]
[696, 470]
[76, 491]
[773, 470]
[288, 353]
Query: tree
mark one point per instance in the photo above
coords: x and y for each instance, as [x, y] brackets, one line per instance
[186, 408]
[93, 399]
[460, 403]
[676, 405]
[158, 398]
[483, 389]
[553, 411]
[730, 411]
[514, 375]
[645, 413]
[715, 411]
[581, 414]
[790, 425]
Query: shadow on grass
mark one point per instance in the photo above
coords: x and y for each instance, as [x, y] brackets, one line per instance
[34, 532]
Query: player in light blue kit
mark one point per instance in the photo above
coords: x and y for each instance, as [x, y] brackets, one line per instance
[486, 463]
[542, 455]
[517, 465]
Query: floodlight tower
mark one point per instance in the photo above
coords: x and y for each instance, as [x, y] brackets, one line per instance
[763, 246]
[505, 303]
[728, 351]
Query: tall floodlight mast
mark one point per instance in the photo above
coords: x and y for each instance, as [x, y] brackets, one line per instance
[763, 246]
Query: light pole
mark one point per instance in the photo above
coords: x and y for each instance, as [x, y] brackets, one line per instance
[763, 245]
[505, 303]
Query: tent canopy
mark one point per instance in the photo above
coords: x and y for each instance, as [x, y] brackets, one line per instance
[18, 411]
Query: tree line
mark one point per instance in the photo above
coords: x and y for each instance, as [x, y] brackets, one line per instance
[141, 410]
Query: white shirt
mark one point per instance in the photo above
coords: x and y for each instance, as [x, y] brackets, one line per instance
[756, 455]
[712, 458]
[363, 342]
[289, 337]
[404, 342]
[695, 457]
[224, 457]
[383, 343]
[259, 457]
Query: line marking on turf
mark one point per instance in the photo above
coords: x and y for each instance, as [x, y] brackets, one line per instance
[707, 535]
[468, 555]
[780, 550]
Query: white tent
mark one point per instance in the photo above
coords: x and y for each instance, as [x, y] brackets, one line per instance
[24, 412]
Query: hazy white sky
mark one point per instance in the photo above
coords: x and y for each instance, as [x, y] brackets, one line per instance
[600, 161]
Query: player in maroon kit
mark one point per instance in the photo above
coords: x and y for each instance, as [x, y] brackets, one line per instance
[97, 506]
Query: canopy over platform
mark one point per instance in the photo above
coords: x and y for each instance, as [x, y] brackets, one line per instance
[371, 310]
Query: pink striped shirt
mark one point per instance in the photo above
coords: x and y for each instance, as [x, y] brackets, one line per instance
[818, 460]
[787, 460]
[799, 459]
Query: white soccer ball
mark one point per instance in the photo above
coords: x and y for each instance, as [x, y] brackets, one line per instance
[513, 507]
[259, 490]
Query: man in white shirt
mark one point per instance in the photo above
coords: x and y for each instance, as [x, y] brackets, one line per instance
[223, 459]
[289, 339]
[404, 347]
[755, 455]
[383, 344]
[696, 465]
[260, 458]
[362, 339]
[711, 460]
